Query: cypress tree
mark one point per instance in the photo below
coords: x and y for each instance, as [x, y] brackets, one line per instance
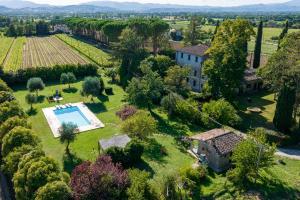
[257, 50]
[283, 118]
[283, 33]
[216, 30]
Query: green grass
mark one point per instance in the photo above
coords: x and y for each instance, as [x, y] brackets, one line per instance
[96, 55]
[281, 181]
[269, 46]
[263, 100]
[86, 144]
[15, 56]
[5, 44]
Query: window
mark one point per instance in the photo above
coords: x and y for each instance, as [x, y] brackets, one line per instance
[181, 55]
[187, 79]
[194, 83]
[189, 57]
[196, 59]
[195, 73]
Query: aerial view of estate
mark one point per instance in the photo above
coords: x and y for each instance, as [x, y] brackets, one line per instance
[149, 100]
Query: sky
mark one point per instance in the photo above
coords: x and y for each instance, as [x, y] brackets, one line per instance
[182, 2]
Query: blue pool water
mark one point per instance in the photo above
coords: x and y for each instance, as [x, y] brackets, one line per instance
[72, 114]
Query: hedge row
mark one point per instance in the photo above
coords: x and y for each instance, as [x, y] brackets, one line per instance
[48, 73]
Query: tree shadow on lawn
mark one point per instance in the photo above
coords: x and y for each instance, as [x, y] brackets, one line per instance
[257, 100]
[142, 165]
[41, 98]
[96, 107]
[70, 90]
[32, 112]
[70, 162]
[254, 120]
[103, 98]
[272, 188]
[165, 127]
[154, 151]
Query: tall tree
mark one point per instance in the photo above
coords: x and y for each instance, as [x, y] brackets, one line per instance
[158, 29]
[216, 30]
[283, 33]
[251, 156]
[282, 72]
[283, 118]
[192, 33]
[227, 58]
[257, 50]
[146, 90]
[130, 53]
[67, 134]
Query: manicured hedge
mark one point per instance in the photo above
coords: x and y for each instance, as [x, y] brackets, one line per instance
[48, 73]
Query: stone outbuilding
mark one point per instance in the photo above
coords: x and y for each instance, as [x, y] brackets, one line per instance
[215, 147]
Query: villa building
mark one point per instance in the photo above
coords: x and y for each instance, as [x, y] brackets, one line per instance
[193, 57]
[215, 147]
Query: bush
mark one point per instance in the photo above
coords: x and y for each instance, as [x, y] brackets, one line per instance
[126, 111]
[48, 73]
[129, 156]
[109, 91]
[221, 111]
[54, 190]
[11, 161]
[4, 87]
[17, 137]
[6, 96]
[141, 125]
[11, 123]
[10, 109]
[188, 112]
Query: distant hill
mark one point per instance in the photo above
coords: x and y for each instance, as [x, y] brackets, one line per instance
[22, 6]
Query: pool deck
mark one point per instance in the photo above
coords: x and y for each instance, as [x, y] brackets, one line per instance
[55, 124]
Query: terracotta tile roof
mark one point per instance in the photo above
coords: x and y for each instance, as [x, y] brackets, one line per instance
[198, 50]
[222, 140]
[225, 144]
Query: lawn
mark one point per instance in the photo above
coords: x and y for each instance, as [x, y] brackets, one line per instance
[281, 181]
[263, 100]
[269, 46]
[86, 145]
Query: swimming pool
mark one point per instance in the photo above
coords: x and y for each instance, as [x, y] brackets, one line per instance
[72, 115]
[77, 113]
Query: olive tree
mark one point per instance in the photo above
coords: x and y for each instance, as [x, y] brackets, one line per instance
[35, 84]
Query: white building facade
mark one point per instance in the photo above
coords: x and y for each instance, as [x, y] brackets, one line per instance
[193, 57]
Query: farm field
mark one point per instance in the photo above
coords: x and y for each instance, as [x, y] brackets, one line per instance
[14, 56]
[96, 55]
[49, 51]
[269, 46]
[5, 44]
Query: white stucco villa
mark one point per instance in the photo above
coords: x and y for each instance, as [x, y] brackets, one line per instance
[193, 57]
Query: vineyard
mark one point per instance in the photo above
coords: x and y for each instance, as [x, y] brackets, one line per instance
[5, 44]
[14, 56]
[22, 52]
[49, 51]
[96, 55]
